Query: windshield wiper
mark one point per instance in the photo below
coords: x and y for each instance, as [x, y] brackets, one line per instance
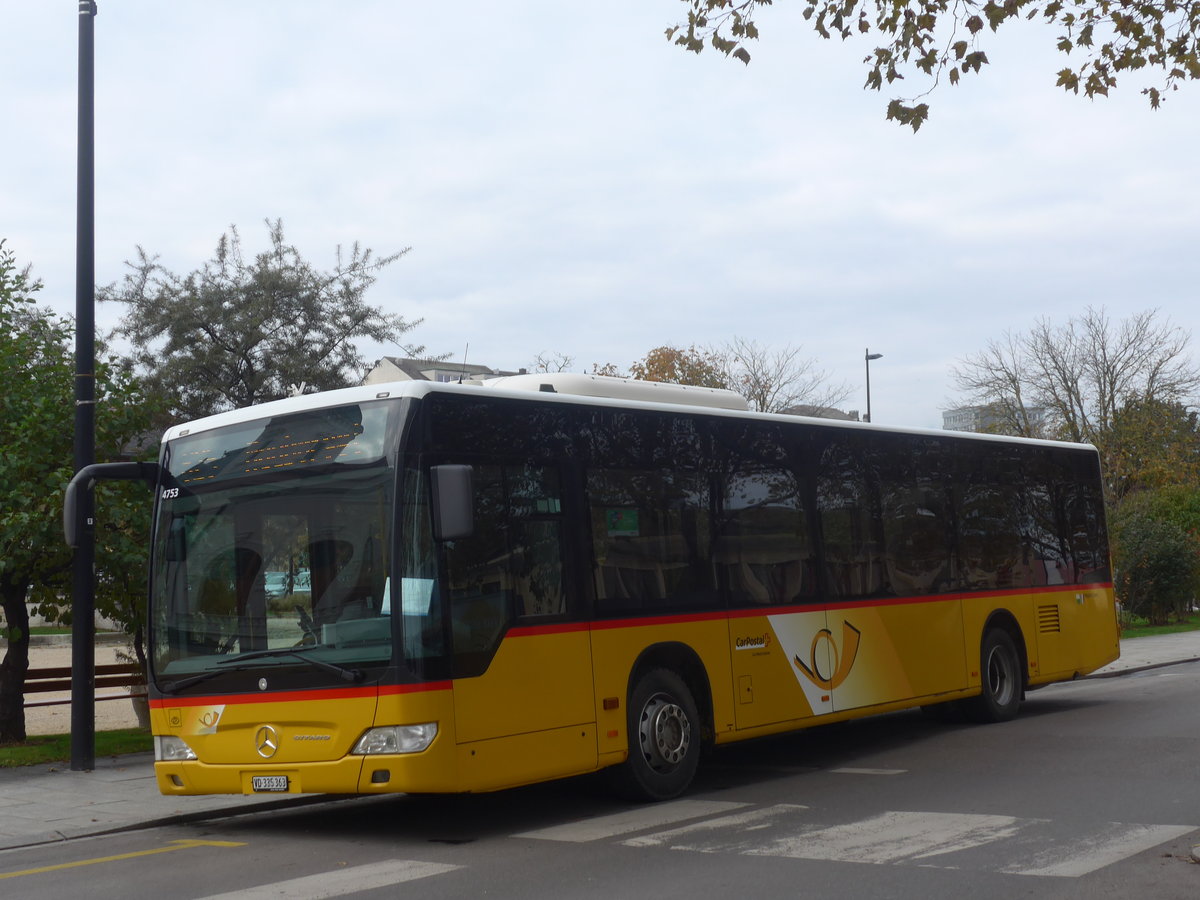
[341, 672]
[172, 686]
[235, 664]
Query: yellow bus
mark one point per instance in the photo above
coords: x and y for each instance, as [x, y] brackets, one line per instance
[421, 587]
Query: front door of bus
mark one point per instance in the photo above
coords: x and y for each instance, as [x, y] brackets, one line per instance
[523, 693]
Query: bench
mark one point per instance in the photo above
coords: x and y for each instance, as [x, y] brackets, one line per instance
[57, 679]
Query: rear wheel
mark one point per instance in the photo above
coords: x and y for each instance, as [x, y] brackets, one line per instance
[1000, 671]
[664, 739]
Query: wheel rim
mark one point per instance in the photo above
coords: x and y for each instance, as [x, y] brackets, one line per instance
[664, 733]
[1000, 681]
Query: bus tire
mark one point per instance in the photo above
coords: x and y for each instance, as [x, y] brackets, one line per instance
[1000, 672]
[664, 739]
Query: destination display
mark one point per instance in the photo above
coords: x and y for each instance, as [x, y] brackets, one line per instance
[343, 435]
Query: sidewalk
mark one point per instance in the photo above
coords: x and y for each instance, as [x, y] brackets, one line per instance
[1152, 652]
[42, 804]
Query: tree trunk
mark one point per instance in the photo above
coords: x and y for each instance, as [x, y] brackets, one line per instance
[16, 661]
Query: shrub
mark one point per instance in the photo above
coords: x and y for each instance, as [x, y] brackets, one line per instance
[1157, 563]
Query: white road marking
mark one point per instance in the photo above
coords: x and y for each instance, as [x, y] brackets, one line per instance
[1093, 851]
[895, 837]
[639, 819]
[992, 843]
[340, 882]
[725, 834]
[852, 771]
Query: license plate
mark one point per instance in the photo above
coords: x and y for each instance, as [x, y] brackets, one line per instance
[269, 782]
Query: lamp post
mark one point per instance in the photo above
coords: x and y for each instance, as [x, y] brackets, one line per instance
[83, 604]
[868, 356]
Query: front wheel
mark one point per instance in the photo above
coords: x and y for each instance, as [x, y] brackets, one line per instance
[664, 739]
[1000, 671]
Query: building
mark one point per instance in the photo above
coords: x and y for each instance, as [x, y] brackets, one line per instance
[821, 412]
[988, 419]
[392, 368]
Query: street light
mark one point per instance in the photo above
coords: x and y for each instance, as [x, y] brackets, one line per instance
[868, 356]
[83, 597]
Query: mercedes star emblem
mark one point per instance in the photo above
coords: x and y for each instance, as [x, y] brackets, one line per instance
[266, 741]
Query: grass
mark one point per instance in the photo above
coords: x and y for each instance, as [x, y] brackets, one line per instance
[48, 748]
[1140, 628]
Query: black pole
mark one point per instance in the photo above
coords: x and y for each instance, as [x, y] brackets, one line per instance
[83, 616]
[868, 356]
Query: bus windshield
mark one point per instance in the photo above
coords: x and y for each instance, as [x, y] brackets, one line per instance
[272, 551]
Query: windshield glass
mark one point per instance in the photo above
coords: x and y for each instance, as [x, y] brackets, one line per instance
[274, 537]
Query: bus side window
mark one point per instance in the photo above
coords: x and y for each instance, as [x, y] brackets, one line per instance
[476, 568]
[987, 513]
[652, 540]
[535, 505]
[851, 528]
[915, 481]
[510, 566]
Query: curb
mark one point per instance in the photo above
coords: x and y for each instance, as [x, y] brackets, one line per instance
[186, 818]
[1116, 673]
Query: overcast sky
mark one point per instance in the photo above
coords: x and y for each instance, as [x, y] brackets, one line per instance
[570, 183]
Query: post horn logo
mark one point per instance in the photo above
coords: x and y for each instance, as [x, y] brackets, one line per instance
[842, 662]
[266, 741]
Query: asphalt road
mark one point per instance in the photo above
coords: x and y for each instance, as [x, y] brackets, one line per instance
[1093, 792]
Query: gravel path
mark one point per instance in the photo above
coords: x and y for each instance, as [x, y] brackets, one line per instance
[110, 714]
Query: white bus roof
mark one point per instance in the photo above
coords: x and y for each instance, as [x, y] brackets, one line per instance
[559, 387]
[565, 383]
[621, 389]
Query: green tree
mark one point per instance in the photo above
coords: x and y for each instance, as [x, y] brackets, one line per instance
[36, 462]
[936, 39]
[703, 368]
[1155, 553]
[237, 332]
[1152, 445]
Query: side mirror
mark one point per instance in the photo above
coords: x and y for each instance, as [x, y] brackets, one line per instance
[86, 478]
[453, 502]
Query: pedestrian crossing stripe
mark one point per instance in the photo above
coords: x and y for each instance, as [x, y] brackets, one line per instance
[996, 843]
[639, 819]
[340, 882]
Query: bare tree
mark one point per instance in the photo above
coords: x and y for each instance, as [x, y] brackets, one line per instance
[999, 378]
[552, 362]
[1081, 374]
[773, 380]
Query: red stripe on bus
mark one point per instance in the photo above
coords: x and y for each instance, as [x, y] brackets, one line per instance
[714, 616]
[348, 693]
[388, 690]
[555, 628]
[866, 603]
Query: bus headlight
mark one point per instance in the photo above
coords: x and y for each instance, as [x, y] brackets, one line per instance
[168, 748]
[396, 739]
